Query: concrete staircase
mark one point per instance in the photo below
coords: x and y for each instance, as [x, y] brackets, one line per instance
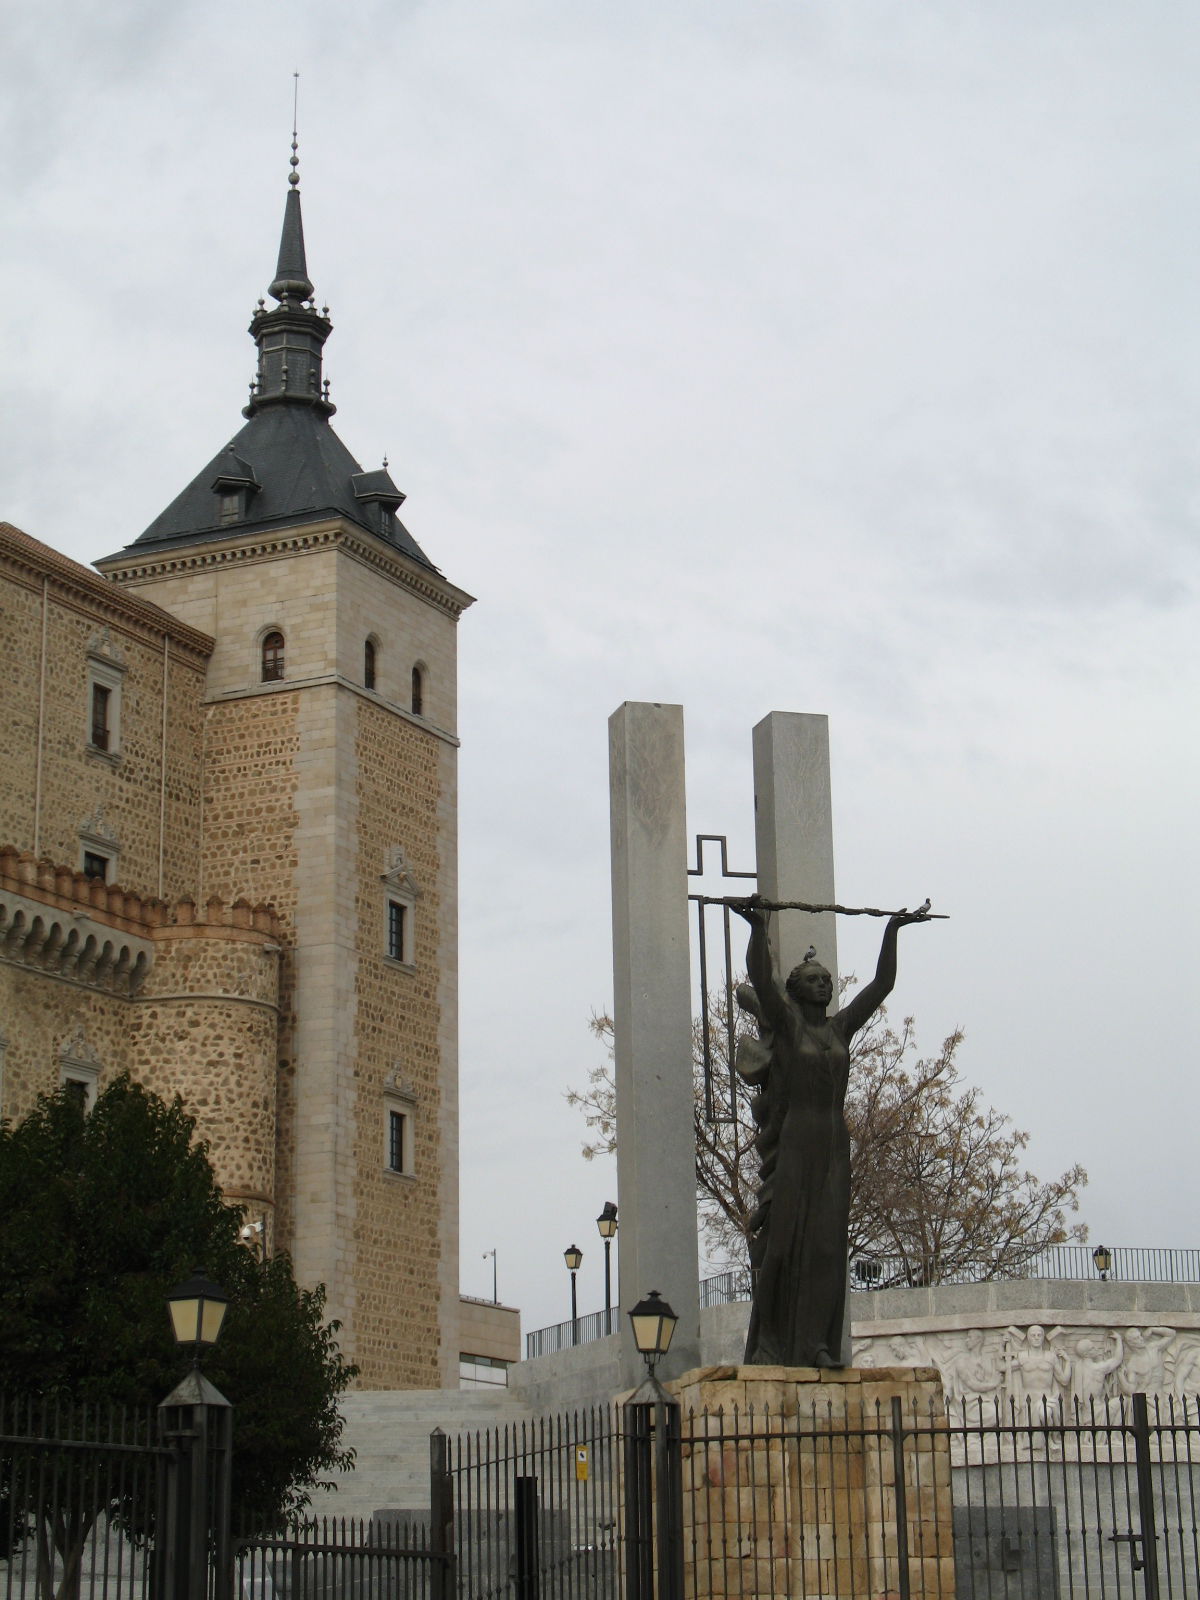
[389, 1431]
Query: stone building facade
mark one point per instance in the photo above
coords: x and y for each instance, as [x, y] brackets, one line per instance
[228, 845]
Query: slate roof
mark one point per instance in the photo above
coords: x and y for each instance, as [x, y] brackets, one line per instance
[305, 473]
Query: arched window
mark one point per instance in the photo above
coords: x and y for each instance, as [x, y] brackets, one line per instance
[418, 692]
[272, 657]
[369, 664]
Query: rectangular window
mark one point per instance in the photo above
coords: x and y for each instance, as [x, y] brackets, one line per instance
[396, 930]
[396, 1141]
[101, 707]
[77, 1092]
[95, 865]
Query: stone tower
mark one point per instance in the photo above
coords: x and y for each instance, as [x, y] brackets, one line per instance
[329, 793]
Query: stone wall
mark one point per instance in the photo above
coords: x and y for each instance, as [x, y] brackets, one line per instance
[194, 1014]
[314, 794]
[140, 799]
[487, 1329]
[396, 1051]
[795, 1488]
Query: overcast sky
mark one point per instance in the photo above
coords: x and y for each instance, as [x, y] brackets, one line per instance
[822, 355]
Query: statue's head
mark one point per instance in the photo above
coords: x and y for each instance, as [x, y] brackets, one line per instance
[810, 984]
[1036, 1336]
[1134, 1339]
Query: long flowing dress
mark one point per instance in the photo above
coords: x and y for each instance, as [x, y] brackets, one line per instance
[799, 1229]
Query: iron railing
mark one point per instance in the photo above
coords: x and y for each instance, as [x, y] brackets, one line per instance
[384, 1557]
[1071, 1262]
[891, 1498]
[1130, 1264]
[536, 1508]
[78, 1499]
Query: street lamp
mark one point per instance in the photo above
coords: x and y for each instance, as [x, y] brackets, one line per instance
[607, 1224]
[1102, 1257]
[573, 1255]
[653, 1324]
[197, 1310]
[653, 1466]
[192, 1557]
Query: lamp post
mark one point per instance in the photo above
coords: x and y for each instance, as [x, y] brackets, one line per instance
[653, 1465]
[607, 1224]
[573, 1255]
[1102, 1258]
[197, 1421]
[495, 1291]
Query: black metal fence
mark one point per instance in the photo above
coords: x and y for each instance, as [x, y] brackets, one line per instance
[1053, 1503]
[385, 1557]
[78, 1500]
[536, 1510]
[980, 1502]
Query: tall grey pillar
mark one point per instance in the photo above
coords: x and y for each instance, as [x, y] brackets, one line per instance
[652, 1011]
[793, 833]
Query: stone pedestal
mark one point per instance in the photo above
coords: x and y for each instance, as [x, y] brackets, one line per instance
[797, 1482]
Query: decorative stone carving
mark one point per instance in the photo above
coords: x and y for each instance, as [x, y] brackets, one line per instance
[1032, 1365]
[396, 1084]
[78, 1051]
[1144, 1368]
[103, 647]
[398, 879]
[1096, 1355]
[973, 1372]
[1037, 1368]
[97, 830]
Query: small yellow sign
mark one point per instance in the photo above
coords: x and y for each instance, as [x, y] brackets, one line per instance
[582, 1459]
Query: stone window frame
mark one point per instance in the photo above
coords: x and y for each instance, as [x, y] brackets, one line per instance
[96, 838]
[399, 1101]
[402, 891]
[106, 669]
[419, 695]
[371, 655]
[78, 1062]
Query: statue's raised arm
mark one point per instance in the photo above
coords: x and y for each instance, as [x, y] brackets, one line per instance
[760, 967]
[858, 1012]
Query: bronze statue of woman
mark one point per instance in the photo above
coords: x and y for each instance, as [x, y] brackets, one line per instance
[800, 1065]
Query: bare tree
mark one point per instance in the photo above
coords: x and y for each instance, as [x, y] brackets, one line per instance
[938, 1189]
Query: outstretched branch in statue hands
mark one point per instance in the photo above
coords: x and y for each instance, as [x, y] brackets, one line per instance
[756, 902]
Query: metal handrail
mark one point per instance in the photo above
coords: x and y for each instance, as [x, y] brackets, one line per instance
[1073, 1262]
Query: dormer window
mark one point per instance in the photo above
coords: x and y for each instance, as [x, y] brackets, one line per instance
[272, 657]
[233, 485]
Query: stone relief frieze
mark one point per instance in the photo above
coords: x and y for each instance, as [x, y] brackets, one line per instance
[1034, 1364]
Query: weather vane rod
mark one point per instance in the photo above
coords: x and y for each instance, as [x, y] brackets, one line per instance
[294, 176]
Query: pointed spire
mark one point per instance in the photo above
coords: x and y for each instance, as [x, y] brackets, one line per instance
[291, 335]
[291, 271]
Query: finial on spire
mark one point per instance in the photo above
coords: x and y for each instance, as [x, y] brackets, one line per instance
[294, 175]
